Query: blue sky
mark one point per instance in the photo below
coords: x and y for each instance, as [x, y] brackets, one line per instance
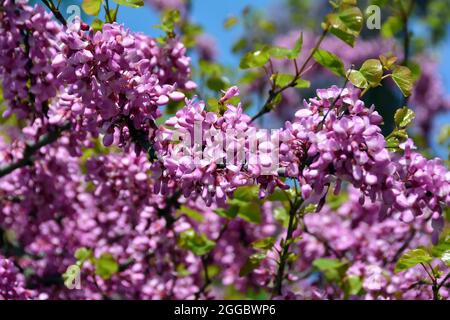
[209, 13]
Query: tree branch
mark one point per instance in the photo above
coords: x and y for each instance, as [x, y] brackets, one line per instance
[205, 259]
[285, 250]
[27, 158]
[299, 72]
[55, 10]
[140, 138]
[443, 281]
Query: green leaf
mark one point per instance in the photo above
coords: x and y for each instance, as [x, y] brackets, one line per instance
[278, 195]
[252, 263]
[230, 213]
[326, 264]
[113, 15]
[198, 244]
[71, 274]
[333, 269]
[230, 22]
[336, 201]
[396, 137]
[266, 25]
[91, 7]
[250, 77]
[130, 3]
[357, 79]
[403, 78]
[349, 3]
[404, 117]
[415, 70]
[210, 68]
[249, 211]
[106, 266]
[301, 84]
[254, 59]
[387, 62]
[310, 208]
[282, 79]
[246, 199]
[264, 244]
[392, 25]
[281, 214]
[412, 258]
[297, 48]
[344, 36]
[82, 254]
[280, 52]
[347, 24]
[97, 25]
[168, 21]
[246, 193]
[372, 70]
[355, 285]
[330, 61]
[442, 251]
[216, 83]
[353, 19]
[239, 45]
[191, 213]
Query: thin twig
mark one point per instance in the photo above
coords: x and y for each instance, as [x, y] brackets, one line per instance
[274, 93]
[27, 159]
[443, 281]
[404, 246]
[277, 289]
[205, 259]
[55, 10]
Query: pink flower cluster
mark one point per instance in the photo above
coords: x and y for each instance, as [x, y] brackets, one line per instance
[423, 188]
[120, 80]
[29, 39]
[354, 235]
[11, 282]
[112, 84]
[216, 163]
[341, 140]
[112, 210]
[335, 138]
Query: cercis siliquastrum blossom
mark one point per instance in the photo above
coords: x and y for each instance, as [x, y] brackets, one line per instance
[29, 39]
[423, 187]
[208, 154]
[335, 138]
[12, 286]
[120, 79]
[353, 234]
[112, 210]
[113, 82]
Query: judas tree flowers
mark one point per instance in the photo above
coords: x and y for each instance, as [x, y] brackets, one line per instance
[121, 178]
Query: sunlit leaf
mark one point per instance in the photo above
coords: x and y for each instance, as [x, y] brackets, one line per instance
[412, 258]
[404, 117]
[91, 7]
[403, 77]
[255, 59]
[330, 61]
[130, 3]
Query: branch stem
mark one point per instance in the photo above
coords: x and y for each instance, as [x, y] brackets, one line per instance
[27, 158]
[273, 93]
[277, 289]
